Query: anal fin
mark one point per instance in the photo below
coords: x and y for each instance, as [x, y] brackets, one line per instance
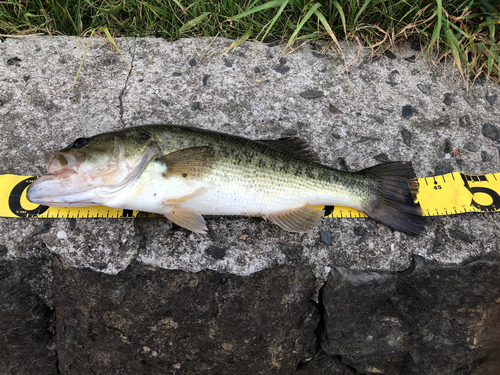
[187, 218]
[300, 220]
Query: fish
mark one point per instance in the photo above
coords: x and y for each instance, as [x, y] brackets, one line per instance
[186, 172]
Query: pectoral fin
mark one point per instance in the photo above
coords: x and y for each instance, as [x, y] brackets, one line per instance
[301, 219]
[193, 162]
[188, 219]
[185, 198]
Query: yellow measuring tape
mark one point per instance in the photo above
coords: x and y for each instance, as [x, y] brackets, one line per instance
[448, 194]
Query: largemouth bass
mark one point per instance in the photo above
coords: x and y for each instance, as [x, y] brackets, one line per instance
[184, 173]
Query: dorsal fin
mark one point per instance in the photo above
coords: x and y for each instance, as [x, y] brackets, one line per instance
[293, 146]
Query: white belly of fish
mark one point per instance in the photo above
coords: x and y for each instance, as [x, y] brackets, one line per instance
[154, 193]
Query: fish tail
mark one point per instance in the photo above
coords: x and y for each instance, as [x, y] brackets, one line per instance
[393, 199]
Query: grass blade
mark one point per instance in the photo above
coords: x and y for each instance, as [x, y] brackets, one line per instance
[327, 27]
[193, 22]
[155, 9]
[455, 48]
[113, 11]
[240, 40]
[342, 15]
[437, 29]
[276, 17]
[301, 24]
[180, 6]
[270, 4]
[83, 59]
[362, 10]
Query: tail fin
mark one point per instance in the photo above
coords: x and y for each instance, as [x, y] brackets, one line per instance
[393, 203]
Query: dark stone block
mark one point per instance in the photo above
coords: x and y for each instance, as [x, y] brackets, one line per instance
[428, 319]
[406, 134]
[326, 236]
[162, 322]
[491, 98]
[216, 252]
[443, 169]
[491, 131]
[465, 121]
[311, 94]
[14, 61]
[334, 110]
[3, 250]
[407, 111]
[485, 157]
[447, 146]
[227, 63]
[292, 253]
[342, 164]
[388, 53]
[281, 69]
[196, 106]
[447, 99]
[383, 158]
[26, 321]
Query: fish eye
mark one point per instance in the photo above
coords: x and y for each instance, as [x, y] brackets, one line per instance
[80, 142]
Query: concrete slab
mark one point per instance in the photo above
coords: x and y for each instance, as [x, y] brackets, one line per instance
[349, 108]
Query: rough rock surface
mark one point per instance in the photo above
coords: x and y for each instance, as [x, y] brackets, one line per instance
[166, 321]
[27, 322]
[91, 293]
[428, 319]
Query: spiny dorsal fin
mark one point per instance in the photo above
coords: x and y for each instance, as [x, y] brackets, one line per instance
[191, 162]
[293, 146]
[301, 219]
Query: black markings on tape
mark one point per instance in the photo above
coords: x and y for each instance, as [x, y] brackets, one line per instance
[495, 205]
[328, 210]
[15, 200]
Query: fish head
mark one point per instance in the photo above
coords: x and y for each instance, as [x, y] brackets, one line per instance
[92, 170]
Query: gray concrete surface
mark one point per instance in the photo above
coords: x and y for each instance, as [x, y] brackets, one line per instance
[240, 93]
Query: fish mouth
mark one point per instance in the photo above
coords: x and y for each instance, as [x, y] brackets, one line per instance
[61, 186]
[64, 162]
[71, 183]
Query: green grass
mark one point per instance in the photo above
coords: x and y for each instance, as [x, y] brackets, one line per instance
[468, 31]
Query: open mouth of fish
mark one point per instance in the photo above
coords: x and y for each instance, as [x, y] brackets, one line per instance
[70, 182]
[61, 183]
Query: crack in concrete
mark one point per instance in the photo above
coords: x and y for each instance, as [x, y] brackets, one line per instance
[120, 97]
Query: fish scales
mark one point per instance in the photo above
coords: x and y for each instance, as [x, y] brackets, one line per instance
[257, 169]
[185, 172]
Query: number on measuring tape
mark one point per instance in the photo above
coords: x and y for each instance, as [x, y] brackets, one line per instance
[495, 205]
